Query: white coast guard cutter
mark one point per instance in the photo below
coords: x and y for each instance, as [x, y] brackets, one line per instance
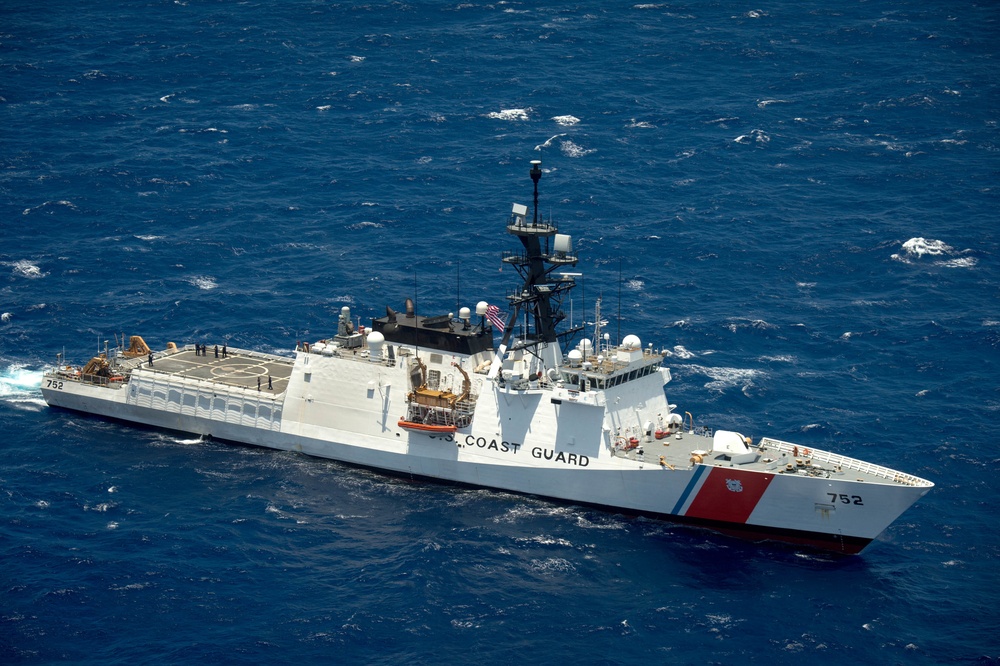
[429, 397]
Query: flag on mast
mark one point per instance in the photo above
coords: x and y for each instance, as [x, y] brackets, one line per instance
[493, 314]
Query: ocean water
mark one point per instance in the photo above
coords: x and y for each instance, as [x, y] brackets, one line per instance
[799, 200]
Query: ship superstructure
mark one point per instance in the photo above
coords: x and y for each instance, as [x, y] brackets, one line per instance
[431, 397]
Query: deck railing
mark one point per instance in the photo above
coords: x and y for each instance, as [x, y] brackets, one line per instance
[845, 462]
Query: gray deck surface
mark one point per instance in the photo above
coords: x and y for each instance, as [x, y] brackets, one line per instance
[239, 368]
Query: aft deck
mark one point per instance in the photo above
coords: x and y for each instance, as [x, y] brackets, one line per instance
[239, 368]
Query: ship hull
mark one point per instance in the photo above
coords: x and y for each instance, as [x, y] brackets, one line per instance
[748, 504]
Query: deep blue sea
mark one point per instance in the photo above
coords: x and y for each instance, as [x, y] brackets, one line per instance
[801, 200]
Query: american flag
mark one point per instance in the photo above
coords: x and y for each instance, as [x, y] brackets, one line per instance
[493, 314]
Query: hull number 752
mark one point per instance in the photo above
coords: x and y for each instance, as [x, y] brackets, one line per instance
[54, 384]
[846, 499]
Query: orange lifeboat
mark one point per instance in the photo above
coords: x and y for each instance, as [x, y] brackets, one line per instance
[425, 427]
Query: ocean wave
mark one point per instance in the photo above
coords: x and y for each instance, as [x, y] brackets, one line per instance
[919, 247]
[755, 324]
[781, 358]
[26, 269]
[552, 565]
[758, 136]
[723, 379]
[18, 383]
[635, 284]
[916, 249]
[62, 202]
[566, 121]
[570, 149]
[962, 262]
[205, 282]
[510, 114]
[679, 351]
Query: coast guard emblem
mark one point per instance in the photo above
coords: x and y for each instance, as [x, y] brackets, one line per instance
[734, 485]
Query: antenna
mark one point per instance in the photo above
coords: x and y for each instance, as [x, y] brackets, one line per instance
[619, 340]
[536, 175]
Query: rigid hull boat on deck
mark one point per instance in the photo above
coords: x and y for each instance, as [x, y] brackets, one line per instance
[431, 397]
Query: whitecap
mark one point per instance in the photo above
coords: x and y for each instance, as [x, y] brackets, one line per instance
[62, 202]
[681, 352]
[764, 103]
[757, 324]
[635, 284]
[551, 565]
[757, 135]
[365, 225]
[917, 248]
[570, 149]
[205, 282]
[963, 262]
[921, 246]
[640, 124]
[781, 358]
[6, 317]
[325, 107]
[727, 378]
[510, 114]
[148, 237]
[566, 121]
[357, 58]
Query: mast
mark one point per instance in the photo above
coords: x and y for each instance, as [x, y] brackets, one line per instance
[540, 296]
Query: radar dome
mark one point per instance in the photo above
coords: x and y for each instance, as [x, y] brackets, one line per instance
[632, 342]
[375, 342]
